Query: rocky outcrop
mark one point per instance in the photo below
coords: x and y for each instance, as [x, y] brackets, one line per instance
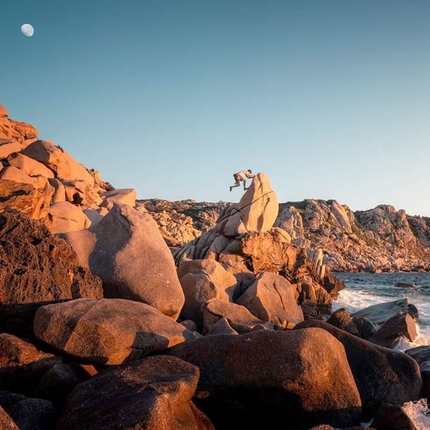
[36, 268]
[245, 243]
[42, 180]
[379, 239]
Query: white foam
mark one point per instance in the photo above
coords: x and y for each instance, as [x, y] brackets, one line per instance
[422, 339]
[354, 300]
[417, 412]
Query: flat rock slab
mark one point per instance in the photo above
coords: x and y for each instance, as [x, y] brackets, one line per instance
[382, 312]
[107, 331]
[152, 393]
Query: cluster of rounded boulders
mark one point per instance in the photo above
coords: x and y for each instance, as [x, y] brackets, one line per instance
[201, 281]
[42, 180]
[203, 344]
[247, 248]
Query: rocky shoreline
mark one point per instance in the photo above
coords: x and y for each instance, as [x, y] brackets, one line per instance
[111, 317]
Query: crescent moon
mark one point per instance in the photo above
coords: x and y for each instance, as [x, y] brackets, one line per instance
[27, 30]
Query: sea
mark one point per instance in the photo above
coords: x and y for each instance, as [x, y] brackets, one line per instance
[367, 289]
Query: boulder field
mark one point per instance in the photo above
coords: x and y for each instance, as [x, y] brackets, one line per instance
[105, 325]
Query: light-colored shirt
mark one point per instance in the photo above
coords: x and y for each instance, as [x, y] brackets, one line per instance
[245, 174]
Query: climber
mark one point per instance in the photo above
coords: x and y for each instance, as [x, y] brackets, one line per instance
[241, 177]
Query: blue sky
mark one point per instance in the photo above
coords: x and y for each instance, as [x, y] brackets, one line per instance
[330, 98]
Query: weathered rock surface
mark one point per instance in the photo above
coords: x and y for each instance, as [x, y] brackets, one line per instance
[107, 331]
[382, 375]
[298, 377]
[6, 422]
[201, 281]
[25, 198]
[271, 298]
[22, 365]
[35, 174]
[36, 268]
[237, 316]
[380, 239]
[152, 393]
[33, 414]
[256, 211]
[127, 252]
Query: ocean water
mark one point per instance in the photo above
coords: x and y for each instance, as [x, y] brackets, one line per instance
[367, 289]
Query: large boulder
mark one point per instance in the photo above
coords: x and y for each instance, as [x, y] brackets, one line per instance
[65, 217]
[271, 298]
[421, 354]
[237, 316]
[25, 198]
[107, 331]
[126, 250]
[298, 377]
[153, 393]
[390, 333]
[29, 166]
[37, 268]
[256, 211]
[124, 196]
[201, 281]
[382, 375]
[58, 160]
[382, 312]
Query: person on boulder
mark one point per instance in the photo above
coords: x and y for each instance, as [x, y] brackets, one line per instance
[241, 177]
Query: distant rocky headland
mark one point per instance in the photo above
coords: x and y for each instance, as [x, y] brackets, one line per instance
[125, 314]
[382, 239]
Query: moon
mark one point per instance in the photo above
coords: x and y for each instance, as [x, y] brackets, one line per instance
[27, 30]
